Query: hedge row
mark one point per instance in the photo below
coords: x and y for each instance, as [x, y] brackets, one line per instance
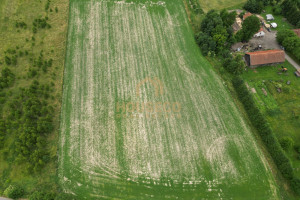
[259, 122]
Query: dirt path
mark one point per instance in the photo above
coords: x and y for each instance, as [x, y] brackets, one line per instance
[292, 61]
[2, 198]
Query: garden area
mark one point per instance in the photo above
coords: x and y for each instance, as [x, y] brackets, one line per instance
[277, 94]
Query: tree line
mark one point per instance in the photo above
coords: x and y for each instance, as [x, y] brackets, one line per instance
[290, 41]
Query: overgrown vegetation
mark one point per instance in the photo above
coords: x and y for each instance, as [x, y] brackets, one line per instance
[260, 123]
[31, 66]
[216, 37]
[291, 10]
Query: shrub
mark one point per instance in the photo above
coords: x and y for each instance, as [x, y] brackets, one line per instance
[37, 195]
[254, 6]
[14, 192]
[286, 143]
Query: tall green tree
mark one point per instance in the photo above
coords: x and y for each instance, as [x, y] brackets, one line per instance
[250, 26]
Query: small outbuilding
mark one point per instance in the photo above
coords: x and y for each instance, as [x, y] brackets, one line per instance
[260, 33]
[269, 17]
[273, 25]
[269, 57]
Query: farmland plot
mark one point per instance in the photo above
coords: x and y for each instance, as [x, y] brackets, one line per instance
[144, 115]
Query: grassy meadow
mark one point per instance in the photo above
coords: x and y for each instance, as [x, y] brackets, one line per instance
[220, 4]
[27, 46]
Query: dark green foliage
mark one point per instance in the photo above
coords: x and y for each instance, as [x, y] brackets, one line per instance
[42, 63]
[206, 43]
[251, 25]
[228, 18]
[295, 184]
[7, 60]
[14, 191]
[234, 65]
[286, 143]
[210, 22]
[38, 195]
[7, 78]
[277, 10]
[216, 36]
[283, 34]
[2, 132]
[290, 41]
[254, 6]
[56, 9]
[290, 9]
[34, 122]
[32, 73]
[40, 23]
[47, 5]
[257, 119]
[64, 196]
[21, 25]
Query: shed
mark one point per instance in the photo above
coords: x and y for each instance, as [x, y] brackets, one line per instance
[269, 17]
[260, 33]
[269, 57]
[274, 25]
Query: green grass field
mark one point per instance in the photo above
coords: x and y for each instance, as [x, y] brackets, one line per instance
[221, 4]
[281, 109]
[202, 149]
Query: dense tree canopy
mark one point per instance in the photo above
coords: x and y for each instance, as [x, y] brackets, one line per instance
[250, 26]
[254, 6]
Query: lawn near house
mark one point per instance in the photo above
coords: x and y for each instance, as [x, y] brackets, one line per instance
[278, 19]
[281, 109]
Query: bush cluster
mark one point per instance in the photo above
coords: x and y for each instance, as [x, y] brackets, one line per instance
[31, 117]
[291, 10]
[13, 191]
[216, 32]
[266, 133]
[40, 23]
[7, 78]
[290, 41]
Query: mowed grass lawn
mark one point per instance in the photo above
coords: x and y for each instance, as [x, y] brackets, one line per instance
[201, 149]
[281, 109]
[220, 4]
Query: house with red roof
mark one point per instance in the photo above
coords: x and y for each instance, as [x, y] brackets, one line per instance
[269, 57]
[247, 14]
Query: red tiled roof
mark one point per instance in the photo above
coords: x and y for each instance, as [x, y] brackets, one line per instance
[261, 29]
[266, 57]
[297, 31]
[248, 14]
